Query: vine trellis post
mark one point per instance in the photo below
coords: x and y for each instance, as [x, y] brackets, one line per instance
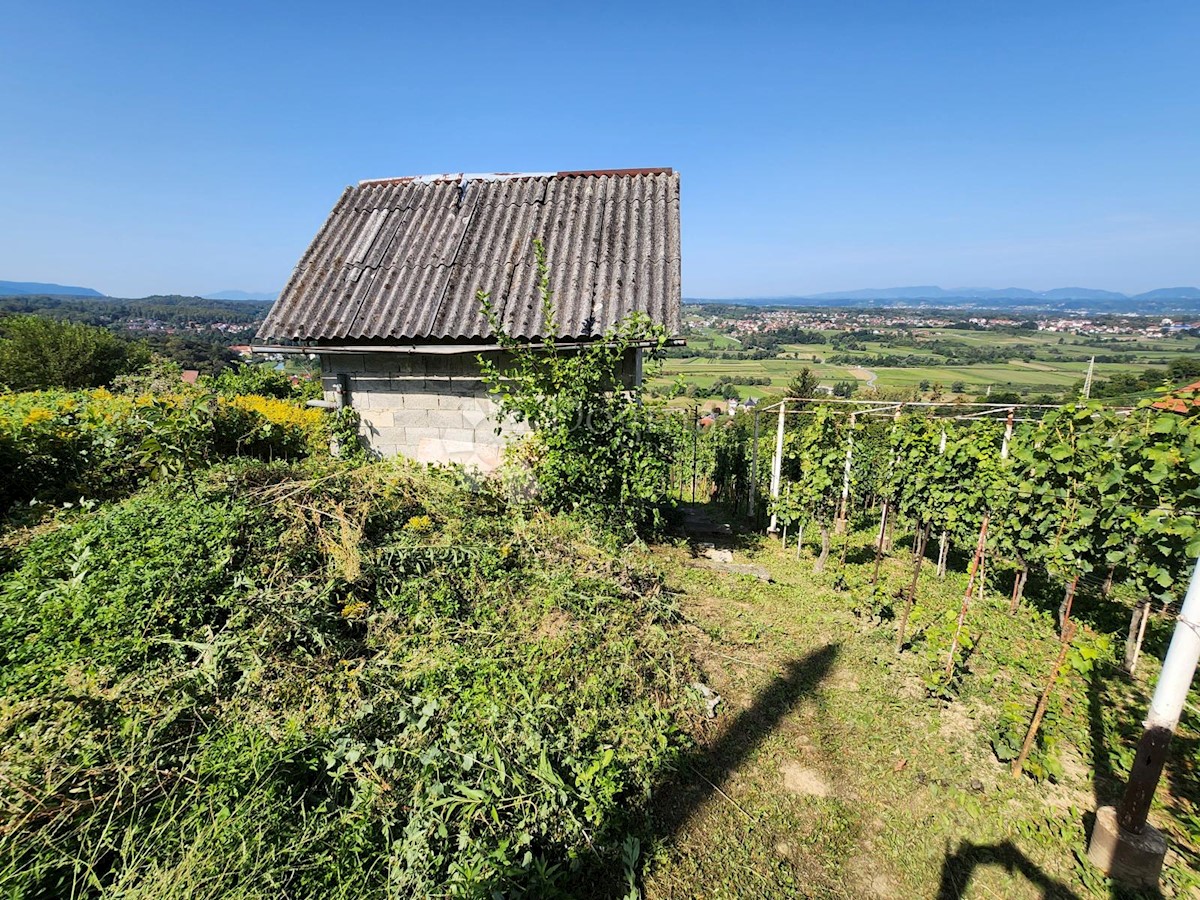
[943, 539]
[1125, 827]
[962, 612]
[753, 467]
[885, 512]
[777, 464]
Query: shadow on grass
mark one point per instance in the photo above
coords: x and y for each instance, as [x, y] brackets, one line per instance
[958, 868]
[713, 524]
[1106, 786]
[702, 772]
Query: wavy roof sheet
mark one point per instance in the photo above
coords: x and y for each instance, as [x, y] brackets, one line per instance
[404, 258]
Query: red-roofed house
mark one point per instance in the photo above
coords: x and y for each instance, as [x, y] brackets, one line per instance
[1181, 400]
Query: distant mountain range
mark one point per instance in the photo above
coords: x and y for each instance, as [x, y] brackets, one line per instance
[47, 289]
[28, 288]
[242, 295]
[1176, 299]
[1162, 300]
[932, 292]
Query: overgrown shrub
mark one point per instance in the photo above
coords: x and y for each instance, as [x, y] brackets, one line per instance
[267, 428]
[360, 682]
[262, 381]
[58, 446]
[595, 447]
[38, 353]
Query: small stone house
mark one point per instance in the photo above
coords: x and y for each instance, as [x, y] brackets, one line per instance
[386, 294]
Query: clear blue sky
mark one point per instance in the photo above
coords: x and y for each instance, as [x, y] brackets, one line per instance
[183, 147]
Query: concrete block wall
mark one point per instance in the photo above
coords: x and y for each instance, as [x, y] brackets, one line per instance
[429, 407]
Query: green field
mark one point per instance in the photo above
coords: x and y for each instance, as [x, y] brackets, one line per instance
[1060, 361]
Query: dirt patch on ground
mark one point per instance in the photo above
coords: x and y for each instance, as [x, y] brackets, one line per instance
[956, 723]
[554, 624]
[869, 880]
[806, 782]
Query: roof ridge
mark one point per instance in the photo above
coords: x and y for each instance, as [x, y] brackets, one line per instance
[505, 176]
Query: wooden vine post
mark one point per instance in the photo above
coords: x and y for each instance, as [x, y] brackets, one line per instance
[919, 539]
[1019, 578]
[695, 439]
[1043, 701]
[1008, 430]
[1064, 612]
[1137, 634]
[962, 613]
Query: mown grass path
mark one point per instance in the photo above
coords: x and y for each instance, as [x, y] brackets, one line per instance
[828, 772]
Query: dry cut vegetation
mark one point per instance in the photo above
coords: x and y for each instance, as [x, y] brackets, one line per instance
[324, 681]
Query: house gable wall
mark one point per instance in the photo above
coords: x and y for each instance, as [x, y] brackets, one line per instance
[432, 408]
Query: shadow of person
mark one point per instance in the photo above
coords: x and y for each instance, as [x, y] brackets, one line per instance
[959, 867]
[702, 772]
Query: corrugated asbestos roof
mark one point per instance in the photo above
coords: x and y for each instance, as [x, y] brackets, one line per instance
[405, 257]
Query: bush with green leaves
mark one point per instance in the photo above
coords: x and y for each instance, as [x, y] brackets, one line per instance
[262, 380]
[352, 682]
[595, 447]
[37, 353]
[61, 446]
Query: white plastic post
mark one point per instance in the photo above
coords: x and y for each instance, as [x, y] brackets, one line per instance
[753, 466]
[777, 463]
[1179, 667]
[1170, 694]
[849, 462]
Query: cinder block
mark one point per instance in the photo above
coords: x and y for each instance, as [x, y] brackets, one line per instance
[437, 382]
[348, 362]
[390, 435]
[381, 400]
[376, 418]
[419, 399]
[414, 436]
[440, 365]
[378, 363]
[459, 435]
[473, 418]
[445, 418]
[411, 364]
[411, 418]
[486, 435]
[465, 386]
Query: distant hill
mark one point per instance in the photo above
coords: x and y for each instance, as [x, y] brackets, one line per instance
[1076, 293]
[242, 295]
[1069, 299]
[112, 312]
[932, 292]
[45, 289]
[1176, 293]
